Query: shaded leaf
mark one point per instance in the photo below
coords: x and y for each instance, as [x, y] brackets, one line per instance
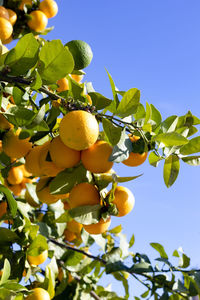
[171, 170]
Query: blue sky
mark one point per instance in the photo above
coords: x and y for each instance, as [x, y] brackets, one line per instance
[153, 45]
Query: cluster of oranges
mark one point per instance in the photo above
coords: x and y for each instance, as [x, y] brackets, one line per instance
[7, 20]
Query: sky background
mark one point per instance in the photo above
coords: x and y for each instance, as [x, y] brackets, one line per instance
[152, 45]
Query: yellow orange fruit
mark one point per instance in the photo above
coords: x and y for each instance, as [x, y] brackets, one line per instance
[16, 189]
[74, 226]
[32, 161]
[3, 208]
[84, 194]
[38, 21]
[6, 29]
[77, 77]
[7, 41]
[4, 13]
[37, 260]
[69, 236]
[13, 146]
[15, 175]
[49, 7]
[63, 85]
[66, 205]
[99, 227]
[12, 16]
[23, 3]
[43, 191]
[61, 275]
[4, 124]
[79, 130]
[95, 158]
[89, 99]
[63, 156]
[124, 200]
[25, 171]
[38, 294]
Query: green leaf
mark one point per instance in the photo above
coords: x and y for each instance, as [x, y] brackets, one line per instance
[158, 247]
[99, 101]
[122, 150]
[126, 179]
[132, 241]
[193, 146]
[116, 229]
[192, 160]
[171, 170]
[6, 271]
[76, 90]
[129, 103]
[7, 236]
[31, 188]
[88, 214]
[170, 139]
[56, 62]
[20, 116]
[18, 95]
[24, 56]
[114, 104]
[65, 217]
[113, 133]
[154, 159]
[11, 200]
[142, 267]
[156, 117]
[169, 125]
[37, 83]
[38, 246]
[185, 261]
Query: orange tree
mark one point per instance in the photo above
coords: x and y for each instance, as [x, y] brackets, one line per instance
[60, 140]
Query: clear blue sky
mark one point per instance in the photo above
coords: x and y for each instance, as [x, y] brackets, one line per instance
[153, 45]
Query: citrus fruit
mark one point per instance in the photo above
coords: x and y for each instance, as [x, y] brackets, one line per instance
[15, 175]
[37, 260]
[24, 181]
[13, 146]
[79, 130]
[49, 7]
[4, 13]
[99, 227]
[25, 2]
[12, 16]
[4, 124]
[47, 167]
[15, 188]
[77, 77]
[63, 85]
[7, 41]
[74, 226]
[61, 275]
[38, 21]
[6, 29]
[69, 235]
[38, 294]
[95, 158]
[63, 156]
[3, 208]
[83, 194]
[124, 200]
[25, 171]
[32, 161]
[89, 99]
[43, 191]
[81, 52]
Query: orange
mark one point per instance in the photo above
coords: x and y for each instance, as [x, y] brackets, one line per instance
[25, 2]
[79, 130]
[7, 41]
[6, 29]
[43, 191]
[38, 21]
[16, 189]
[32, 161]
[89, 99]
[83, 194]
[99, 227]
[124, 200]
[63, 85]
[13, 146]
[95, 158]
[4, 124]
[69, 236]
[15, 175]
[61, 275]
[25, 171]
[63, 156]
[49, 7]
[1, 146]
[24, 181]
[37, 260]
[4, 13]
[66, 205]
[47, 167]
[12, 16]
[38, 294]
[77, 78]
[74, 226]
[3, 208]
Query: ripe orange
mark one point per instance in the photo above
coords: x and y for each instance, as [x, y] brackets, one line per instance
[95, 158]
[4, 124]
[43, 191]
[37, 260]
[15, 175]
[16, 188]
[25, 171]
[4, 13]
[79, 130]
[60, 275]
[89, 99]
[124, 200]
[77, 78]
[99, 227]
[74, 226]
[7, 41]
[6, 29]
[13, 146]
[12, 16]
[38, 21]
[63, 156]
[3, 208]
[69, 236]
[63, 85]
[38, 294]
[83, 194]
[25, 2]
[32, 161]
[49, 7]
[66, 204]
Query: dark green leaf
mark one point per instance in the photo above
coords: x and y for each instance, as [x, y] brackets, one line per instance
[11, 200]
[7, 236]
[140, 268]
[113, 133]
[171, 170]
[158, 247]
[20, 116]
[129, 103]
[99, 101]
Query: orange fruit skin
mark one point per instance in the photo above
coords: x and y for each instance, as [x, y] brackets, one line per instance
[7, 41]
[74, 226]
[63, 156]
[69, 235]
[43, 191]
[4, 124]
[6, 29]
[124, 200]
[135, 159]
[32, 161]
[63, 85]
[4, 12]
[38, 21]
[77, 78]
[3, 208]
[12, 16]
[89, 99]
[95, 158]
[37, 260]
[79, 130]
[16, 189]
[49, 7]
[15, 175]
[25, 171]
[83, 194]
[38, 294]
[99, 227]
[25, 2]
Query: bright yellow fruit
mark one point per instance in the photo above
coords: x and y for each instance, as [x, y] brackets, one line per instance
[12, 16]
[4, 124]
[6, 29]
[43, 191]
[84, 194]
[38, 294]
[69, 235]
[49, 7]
[124, 200]
[74, 226]
[99, 227]
[37, 260]
[38, 21]
[32, 161]
[79, 130]
[3, 208]
[15, 175]
[63, 156]
[4, 13]
[63, 85]
[77, 78]
[135, 159]
[95, 158]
